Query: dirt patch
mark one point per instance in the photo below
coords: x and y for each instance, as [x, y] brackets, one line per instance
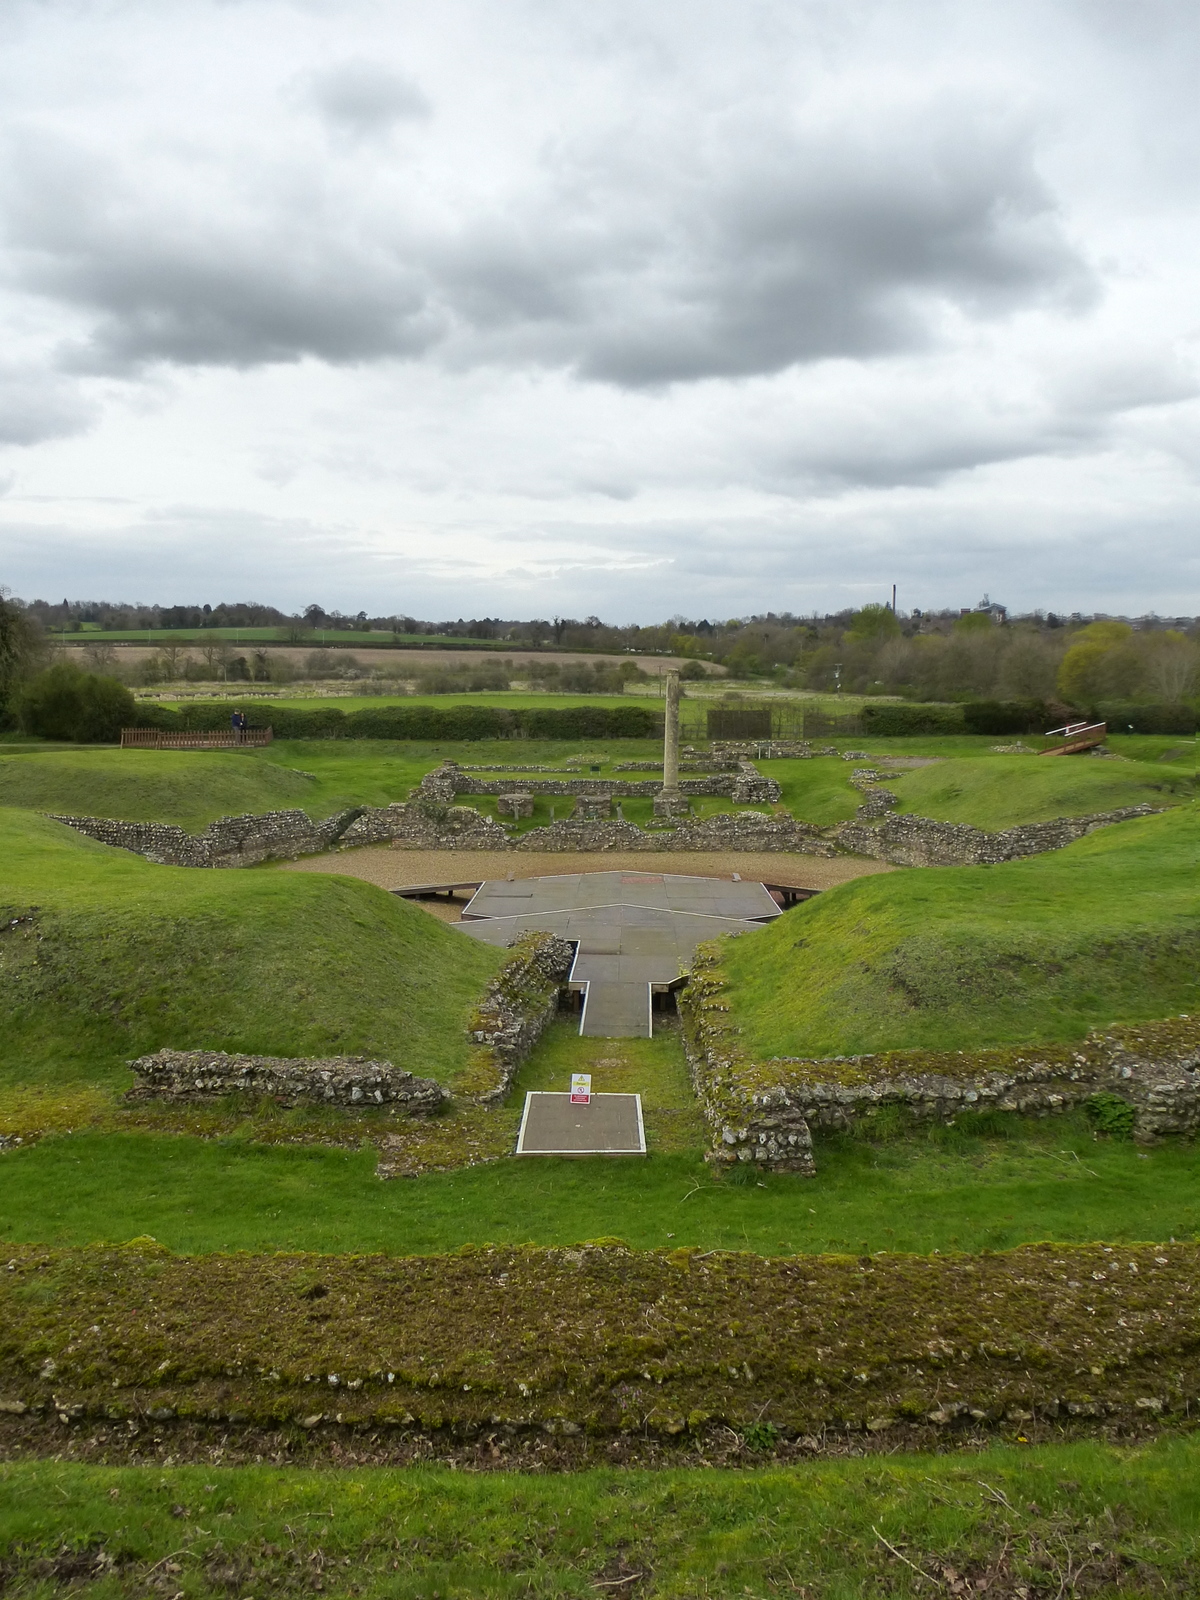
[397, 869]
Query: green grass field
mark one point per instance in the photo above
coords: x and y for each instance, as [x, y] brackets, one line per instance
[1007, 790]
[122, 956]
[1083, 1519]
[118, 956]
[949, 958]
[320, 776]
[956, 1190]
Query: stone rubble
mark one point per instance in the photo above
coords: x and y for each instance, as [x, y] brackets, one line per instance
[304, 1080]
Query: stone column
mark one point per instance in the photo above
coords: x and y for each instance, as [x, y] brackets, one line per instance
[671, 737]
[670, 802]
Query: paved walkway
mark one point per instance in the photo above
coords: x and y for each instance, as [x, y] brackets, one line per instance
[634, 932]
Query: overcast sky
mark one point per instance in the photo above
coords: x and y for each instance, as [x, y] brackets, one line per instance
[455, 308]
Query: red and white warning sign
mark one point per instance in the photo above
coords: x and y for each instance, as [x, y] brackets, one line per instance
[581, 1088]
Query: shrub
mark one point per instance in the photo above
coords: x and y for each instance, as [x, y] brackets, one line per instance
[64, 702]
[1109, 1114]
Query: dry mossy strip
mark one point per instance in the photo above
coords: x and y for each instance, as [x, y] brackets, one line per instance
[601, 1339]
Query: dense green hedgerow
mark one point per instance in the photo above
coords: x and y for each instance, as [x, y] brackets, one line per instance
[104, 956]
[948, 958]
[604, 1338]
[416, 721]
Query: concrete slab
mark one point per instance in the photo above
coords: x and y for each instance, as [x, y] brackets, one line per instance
[616, 1010]
[634, 932]
[610, 1125]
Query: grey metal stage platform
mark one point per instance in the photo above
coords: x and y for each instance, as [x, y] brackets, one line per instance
[634, 932]
[608, 1125]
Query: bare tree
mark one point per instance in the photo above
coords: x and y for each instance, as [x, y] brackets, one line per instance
[1171, 664]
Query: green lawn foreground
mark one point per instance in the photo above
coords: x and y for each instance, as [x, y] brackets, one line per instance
[104, 956]
[1125, 1521]
[952, 958]
[956, 1190]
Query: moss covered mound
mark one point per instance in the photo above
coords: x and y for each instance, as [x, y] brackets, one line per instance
[956, 957]
[603, 1339]
[187, 787]
[104, 957]
[1005, 791]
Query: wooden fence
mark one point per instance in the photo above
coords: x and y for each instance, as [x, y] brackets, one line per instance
[195, 739]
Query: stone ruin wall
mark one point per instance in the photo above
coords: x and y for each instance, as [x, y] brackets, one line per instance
[765, 1111]
[316, 1080]
[745, 785]
[518, 1005]
[431, 820]
[908, 841]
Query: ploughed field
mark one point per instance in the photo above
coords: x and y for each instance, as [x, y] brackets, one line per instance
[981, 1296]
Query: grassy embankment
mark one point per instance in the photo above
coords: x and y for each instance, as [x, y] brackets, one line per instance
[1082, 1519]
[950, 958]
[104, 956]
[1005, 791]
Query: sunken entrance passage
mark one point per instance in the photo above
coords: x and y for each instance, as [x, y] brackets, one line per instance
[634, 932]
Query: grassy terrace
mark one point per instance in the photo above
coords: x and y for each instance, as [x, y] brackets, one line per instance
[104, 956]
[1019, 1515]
[1003, 791]
[950, 958]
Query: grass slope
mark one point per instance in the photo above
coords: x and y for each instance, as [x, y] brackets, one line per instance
[186, 787]
[1125, 1520]
[320, 776]
[949, 958]
[1007, 790]
[117, 957]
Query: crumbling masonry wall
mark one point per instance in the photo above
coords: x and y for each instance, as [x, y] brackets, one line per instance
[305, 1080]
[765, 1111]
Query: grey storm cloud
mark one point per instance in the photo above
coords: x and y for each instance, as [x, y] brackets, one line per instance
[363, 98]
[770, 249]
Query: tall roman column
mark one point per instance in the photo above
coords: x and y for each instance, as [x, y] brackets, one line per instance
[671, 737]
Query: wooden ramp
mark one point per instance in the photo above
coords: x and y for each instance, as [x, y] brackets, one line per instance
[1077, 737]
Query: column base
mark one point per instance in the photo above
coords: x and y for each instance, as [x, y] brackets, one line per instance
[671, 805]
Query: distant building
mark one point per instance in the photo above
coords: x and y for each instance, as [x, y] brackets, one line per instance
[986, 607]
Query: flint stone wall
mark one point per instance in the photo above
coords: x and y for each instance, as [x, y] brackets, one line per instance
[427, 824]
[229, 842]
[316, 1080]
[517, 1006]
[765, 1111]
[745, 786]
[908, 841]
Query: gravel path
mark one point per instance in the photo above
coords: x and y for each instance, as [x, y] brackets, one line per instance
[397, 869]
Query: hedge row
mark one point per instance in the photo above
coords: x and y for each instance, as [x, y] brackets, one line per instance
[414, 722]
[1124, 718]
[899, 721]
[602, 1339]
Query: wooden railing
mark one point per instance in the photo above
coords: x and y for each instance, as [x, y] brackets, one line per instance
[195, 739]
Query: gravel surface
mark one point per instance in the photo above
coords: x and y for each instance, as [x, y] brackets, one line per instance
[397, 869]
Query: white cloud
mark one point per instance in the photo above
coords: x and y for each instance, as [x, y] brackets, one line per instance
[390, 292]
